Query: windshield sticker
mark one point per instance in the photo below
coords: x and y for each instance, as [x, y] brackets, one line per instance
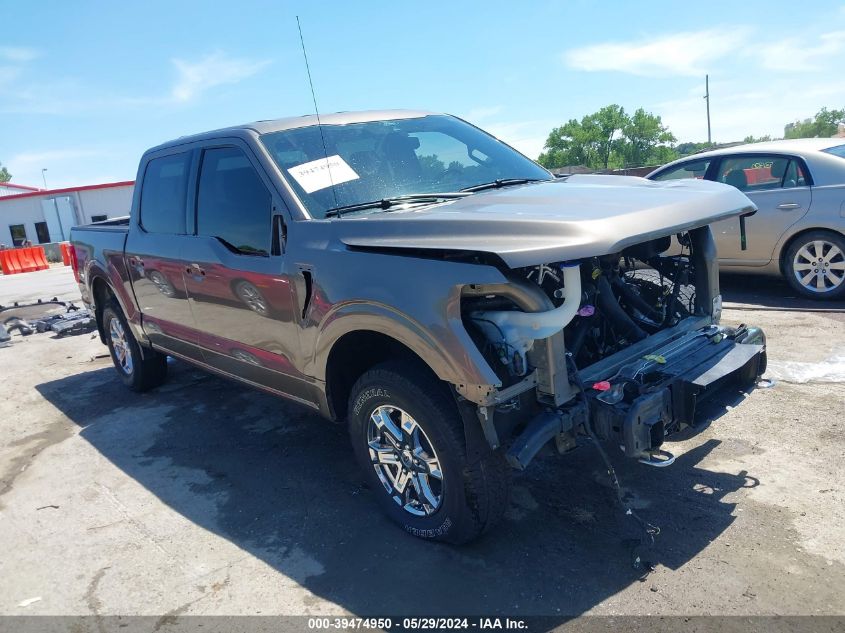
[322, 173]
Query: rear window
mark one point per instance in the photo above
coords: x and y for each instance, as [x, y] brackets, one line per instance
[163, 194]
[839, 150]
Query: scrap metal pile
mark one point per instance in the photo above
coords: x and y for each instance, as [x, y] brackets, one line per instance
[60, 317]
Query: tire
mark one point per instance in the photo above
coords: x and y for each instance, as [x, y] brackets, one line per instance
[810, 277]
[467, 499]
[139, 373]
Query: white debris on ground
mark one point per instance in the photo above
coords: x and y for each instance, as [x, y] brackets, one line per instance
[830, 370]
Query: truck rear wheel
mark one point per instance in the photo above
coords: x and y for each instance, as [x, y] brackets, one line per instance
[408, 437]
[139, 373]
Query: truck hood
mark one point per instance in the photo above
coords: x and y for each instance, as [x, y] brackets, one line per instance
[580, 216]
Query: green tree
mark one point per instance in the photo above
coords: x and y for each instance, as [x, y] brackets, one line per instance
[689, 147]
[609, 138]
[646, 140]
[593, 141]
[824, 124]
[5, 176]
[757, 139]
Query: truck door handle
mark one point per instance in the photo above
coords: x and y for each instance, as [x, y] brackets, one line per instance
[786, 206]
[195, 269]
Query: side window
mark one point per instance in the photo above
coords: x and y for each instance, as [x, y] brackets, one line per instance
[163, 194]
[759, 173]
[794, 176]
[693, 169]
[233, 204]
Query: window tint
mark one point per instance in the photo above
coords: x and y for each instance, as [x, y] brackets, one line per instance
[42, 232]
[163, 194]
[759, 173]
[18, 232]
[693, 169]
[233, 204]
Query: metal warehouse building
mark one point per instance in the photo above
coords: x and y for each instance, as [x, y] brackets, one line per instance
[43, 216]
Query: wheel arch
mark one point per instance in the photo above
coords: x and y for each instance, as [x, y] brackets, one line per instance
[356, 352]
[102, 293]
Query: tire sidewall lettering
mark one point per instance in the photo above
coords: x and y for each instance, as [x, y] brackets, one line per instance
[369, 394]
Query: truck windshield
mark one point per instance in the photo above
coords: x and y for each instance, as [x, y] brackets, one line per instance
[379, 160]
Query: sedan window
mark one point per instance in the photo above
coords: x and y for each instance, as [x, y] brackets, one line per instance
[693, 169]
[761, 173]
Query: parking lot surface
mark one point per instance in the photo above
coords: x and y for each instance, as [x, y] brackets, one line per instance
[205, 497]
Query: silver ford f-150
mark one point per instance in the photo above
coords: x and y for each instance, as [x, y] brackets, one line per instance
[411, 276]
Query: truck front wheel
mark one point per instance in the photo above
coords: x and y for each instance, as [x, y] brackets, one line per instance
[139, 373]
[409, 439]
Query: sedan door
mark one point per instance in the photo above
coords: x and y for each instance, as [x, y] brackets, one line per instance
[780, 187]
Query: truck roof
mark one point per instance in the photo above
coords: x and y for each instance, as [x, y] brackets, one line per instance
[289, 123]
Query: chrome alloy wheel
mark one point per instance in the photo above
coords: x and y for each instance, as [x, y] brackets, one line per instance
[120, 345]
[819, 266]
[405, 461]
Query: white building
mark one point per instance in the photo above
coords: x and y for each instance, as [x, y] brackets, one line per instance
[8, 189]
[46, 215]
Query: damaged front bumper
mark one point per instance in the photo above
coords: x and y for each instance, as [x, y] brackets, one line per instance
[639, 396]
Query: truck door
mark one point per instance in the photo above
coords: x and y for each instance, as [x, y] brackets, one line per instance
[155, 249]
[238, 287]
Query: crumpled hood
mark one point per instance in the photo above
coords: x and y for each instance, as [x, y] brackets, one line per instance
[581, 216]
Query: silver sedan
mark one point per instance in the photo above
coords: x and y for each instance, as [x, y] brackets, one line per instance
[799, 230]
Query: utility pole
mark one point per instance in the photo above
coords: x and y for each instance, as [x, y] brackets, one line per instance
[707, 99]
[44, 177]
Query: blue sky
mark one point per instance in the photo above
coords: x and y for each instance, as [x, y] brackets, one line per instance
[85, 87]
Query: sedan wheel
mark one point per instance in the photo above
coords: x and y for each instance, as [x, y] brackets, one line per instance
[817, 265]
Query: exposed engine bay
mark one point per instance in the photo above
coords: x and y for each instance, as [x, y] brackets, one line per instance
[614, 301]
[618, 347]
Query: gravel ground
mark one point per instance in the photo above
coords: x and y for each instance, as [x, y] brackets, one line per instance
[204, 497]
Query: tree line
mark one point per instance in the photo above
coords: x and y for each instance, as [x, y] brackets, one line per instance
[613, 139]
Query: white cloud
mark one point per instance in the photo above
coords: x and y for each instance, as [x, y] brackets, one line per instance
[684, 53]
[802, 54]
[194, 78]
[18, 54]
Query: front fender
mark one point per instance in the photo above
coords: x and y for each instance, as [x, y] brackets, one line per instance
[441, 341]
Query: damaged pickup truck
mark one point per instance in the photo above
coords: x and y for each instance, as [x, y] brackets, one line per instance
[413, 277]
